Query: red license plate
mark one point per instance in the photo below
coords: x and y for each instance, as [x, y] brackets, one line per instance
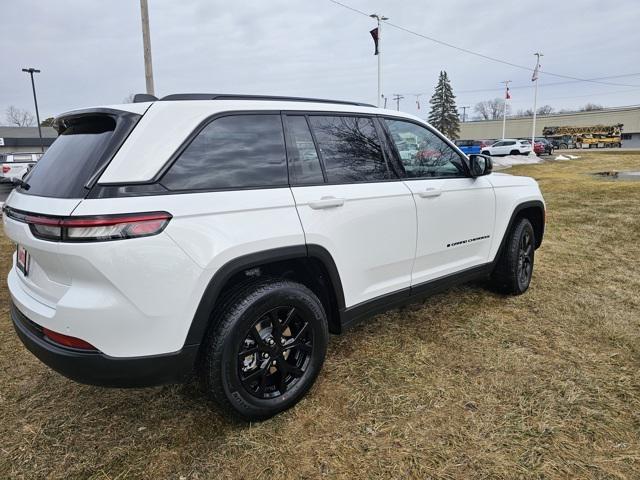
[22, 260]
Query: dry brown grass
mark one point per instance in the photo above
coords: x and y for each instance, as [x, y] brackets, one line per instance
[468, 385]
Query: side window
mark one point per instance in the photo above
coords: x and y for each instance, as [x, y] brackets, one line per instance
[423, 153]
[350, 149]
[232, 152]
[498, 144]
[304, 164]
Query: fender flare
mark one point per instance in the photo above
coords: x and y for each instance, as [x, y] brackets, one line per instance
[201, 319]
[521, 206]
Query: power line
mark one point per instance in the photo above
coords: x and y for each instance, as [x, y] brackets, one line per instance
[481, 55]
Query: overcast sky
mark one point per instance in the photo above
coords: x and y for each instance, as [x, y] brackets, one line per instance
[90, 51]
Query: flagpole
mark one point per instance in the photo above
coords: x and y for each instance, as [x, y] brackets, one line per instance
[535, 98]
[379, 18]
[504, 113]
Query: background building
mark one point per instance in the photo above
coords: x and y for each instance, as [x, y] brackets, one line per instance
[521, 126]
[25, 139]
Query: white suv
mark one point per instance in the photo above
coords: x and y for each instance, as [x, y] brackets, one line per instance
[508, 146]
[228, 235]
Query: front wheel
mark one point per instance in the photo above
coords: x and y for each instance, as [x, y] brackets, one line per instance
[486, 152]
[514, 269]
[515, 152]
[266, 349]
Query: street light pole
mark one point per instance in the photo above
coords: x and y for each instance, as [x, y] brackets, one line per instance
[379, 18]
[31, 71]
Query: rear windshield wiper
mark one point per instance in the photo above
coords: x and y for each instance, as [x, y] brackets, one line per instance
[20, 183]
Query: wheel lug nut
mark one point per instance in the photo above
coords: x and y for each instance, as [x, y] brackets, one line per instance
[273, 363]
[265, 355]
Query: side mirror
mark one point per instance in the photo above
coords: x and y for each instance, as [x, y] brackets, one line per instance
[480, 165]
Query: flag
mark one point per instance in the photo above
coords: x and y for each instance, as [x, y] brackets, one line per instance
[374, 35]
[535, 73]
[507, 95]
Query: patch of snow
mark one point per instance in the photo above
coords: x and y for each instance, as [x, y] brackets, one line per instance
[562, 157]
[510, 160]
[573, 157]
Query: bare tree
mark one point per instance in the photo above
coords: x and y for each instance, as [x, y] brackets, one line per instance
[545, 110]
[491, 109]
[20, 118]
[590, 107]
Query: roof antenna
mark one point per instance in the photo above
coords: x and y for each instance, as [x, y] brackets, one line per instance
[144, 97]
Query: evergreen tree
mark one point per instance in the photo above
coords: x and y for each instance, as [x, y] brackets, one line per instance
[444, 113]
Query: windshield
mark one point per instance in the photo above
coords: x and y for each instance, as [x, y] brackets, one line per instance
[85, 143]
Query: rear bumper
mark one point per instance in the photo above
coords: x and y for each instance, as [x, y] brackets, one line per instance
[95, 368]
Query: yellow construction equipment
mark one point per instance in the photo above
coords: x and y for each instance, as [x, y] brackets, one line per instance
[596, 136]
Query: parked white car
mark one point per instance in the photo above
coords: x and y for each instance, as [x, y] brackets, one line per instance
[228, 235]
[16, 165]
[508, 146]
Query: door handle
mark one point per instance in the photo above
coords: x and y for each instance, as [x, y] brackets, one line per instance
[327, 202]
[430, 192]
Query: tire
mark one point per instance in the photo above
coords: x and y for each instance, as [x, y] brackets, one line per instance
[278, 368]
[512, 274]
[563, 146]
[486, 152]
[514, 152]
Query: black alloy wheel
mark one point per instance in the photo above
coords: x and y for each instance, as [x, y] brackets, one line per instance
[514, 267]
[275, 353]
[266, 347]
[525, 259]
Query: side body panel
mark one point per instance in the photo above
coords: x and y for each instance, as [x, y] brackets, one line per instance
[371, 235]
[456, 218]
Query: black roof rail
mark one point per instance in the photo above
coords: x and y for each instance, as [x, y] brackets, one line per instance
[234, 96]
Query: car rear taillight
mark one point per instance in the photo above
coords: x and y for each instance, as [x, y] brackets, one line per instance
[92, 228]
[6, 168]
[67, 341]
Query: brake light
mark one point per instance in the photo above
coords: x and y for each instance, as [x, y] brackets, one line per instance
[93, 228]
[6, 168]
[67, 341]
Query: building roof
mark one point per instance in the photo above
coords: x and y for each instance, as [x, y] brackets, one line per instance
[628, 116]
[27, 132]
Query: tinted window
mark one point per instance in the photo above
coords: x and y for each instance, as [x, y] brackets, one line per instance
[73, 158]
[350, 149]
[423, 153]
[232, 152]
[304, 164]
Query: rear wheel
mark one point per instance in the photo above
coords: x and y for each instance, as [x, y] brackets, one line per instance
[514, 269]
[266, 349]
[486, 152]
[515, 152]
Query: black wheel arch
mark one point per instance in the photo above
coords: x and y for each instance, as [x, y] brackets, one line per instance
[319, 261]
[535, 212]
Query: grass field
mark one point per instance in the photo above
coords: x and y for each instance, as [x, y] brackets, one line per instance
[470, 384]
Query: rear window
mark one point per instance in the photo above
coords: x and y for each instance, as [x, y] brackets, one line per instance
[236, 151]
[82, 146]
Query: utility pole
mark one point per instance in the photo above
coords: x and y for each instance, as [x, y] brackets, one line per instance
[534, 78]
[31, 71]
[504, 111]
[418, 95]
[464, 112]
[380, 19]
[397, 97]
[146, 41]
